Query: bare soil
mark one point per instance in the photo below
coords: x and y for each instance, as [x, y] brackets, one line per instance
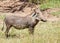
[16, 7]
[47, 13]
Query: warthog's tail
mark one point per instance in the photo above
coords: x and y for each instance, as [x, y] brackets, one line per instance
[3, 26]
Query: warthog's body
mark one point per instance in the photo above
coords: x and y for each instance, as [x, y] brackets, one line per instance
[22, 22]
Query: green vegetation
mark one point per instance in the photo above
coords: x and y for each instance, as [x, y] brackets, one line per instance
[2, 17]
[56, 13]
[50, 4]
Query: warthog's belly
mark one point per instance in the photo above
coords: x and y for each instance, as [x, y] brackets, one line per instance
[20, 26]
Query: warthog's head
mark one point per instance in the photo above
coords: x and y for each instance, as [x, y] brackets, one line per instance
[39, 16]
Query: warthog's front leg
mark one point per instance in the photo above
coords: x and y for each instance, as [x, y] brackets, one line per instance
[31, 30]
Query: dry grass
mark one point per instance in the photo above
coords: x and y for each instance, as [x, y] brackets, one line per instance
[48, 32]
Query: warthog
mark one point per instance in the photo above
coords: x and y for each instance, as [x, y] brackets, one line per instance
[18, 22]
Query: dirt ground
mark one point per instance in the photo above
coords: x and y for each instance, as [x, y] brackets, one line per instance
[16, 7]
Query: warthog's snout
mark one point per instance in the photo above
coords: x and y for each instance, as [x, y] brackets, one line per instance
[44, 20]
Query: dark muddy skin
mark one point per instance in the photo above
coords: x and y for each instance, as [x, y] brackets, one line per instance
[18, 22]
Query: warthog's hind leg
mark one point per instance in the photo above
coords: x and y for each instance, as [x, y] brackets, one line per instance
[7, 30]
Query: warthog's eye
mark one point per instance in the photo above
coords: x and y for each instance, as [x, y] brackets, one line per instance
[37, 13]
